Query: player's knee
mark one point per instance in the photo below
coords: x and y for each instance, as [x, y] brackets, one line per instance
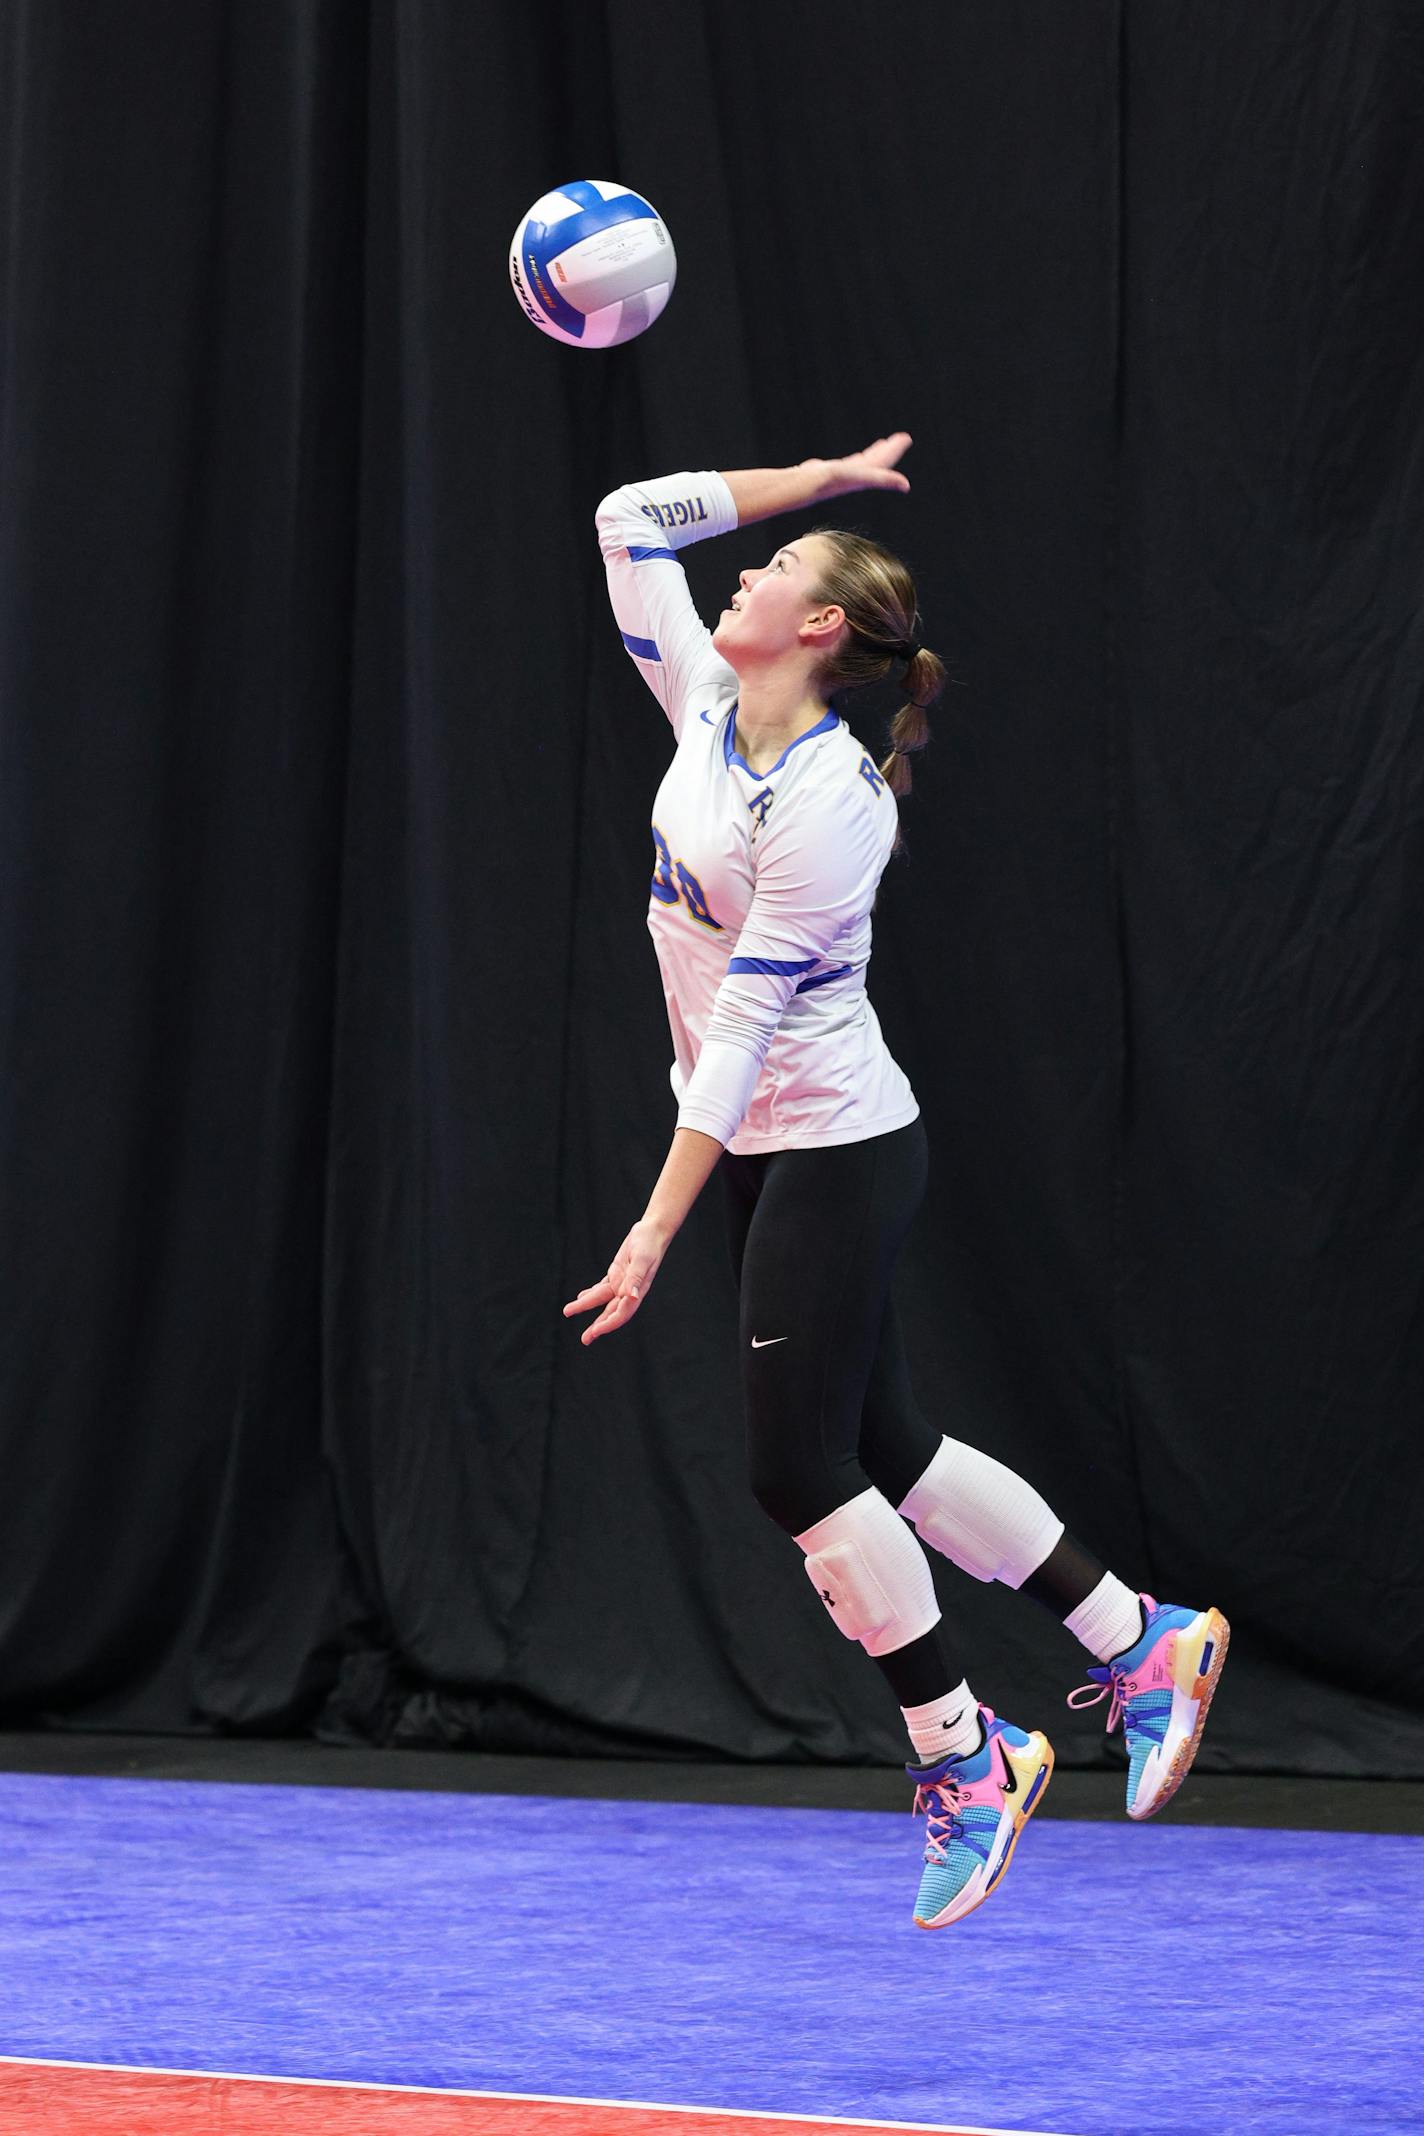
[845, 1581]
[981, 1515]
[871, 1574]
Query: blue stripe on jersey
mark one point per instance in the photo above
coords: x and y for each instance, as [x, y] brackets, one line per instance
[642, 556]
[822, 726]
[824, 978]
[640, 648]
[770, 965]
[540, 242]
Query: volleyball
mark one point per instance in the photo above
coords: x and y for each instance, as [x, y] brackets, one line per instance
[592, 263]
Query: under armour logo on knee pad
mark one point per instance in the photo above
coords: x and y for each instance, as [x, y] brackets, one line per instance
[870, 1573]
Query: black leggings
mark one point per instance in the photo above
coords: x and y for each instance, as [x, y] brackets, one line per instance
[814, 1236]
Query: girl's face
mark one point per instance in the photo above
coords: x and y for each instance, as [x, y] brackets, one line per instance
[775, 609]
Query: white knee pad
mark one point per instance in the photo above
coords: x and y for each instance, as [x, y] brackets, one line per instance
[871, 1574]
[979, 1513]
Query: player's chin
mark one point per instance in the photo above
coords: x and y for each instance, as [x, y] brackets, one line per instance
[724, 637]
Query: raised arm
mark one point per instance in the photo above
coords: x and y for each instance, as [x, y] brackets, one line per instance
[642, 526]
[640, 529]
[763, 492]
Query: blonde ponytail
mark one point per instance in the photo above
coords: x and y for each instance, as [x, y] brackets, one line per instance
[910, 728]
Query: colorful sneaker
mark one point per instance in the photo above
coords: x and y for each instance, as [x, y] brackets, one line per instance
[1162, 1687]
[976, 1807]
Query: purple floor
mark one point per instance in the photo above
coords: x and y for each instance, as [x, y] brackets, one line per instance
[1125, 1980]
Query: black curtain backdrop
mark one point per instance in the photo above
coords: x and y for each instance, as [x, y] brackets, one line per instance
[334, 1056]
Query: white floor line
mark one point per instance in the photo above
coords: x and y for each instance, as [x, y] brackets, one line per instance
[438, 2091]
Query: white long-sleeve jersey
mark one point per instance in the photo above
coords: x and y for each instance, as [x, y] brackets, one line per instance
[763, 882]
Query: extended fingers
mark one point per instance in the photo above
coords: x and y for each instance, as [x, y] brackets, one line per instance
[595, 1294]
[621, 1308]
[885, 452]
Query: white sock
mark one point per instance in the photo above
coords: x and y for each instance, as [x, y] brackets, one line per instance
[1109, 1620]
[947, 1728]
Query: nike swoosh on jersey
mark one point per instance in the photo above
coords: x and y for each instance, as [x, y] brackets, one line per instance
[767, 1342]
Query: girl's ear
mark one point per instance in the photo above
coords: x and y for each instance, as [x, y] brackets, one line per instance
[823, 625]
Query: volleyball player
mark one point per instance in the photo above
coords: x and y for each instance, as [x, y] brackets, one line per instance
[771, 830]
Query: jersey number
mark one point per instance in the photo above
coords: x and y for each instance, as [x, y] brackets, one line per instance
[674, 881]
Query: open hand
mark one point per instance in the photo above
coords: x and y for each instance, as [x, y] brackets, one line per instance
[623, 1289]
[875, 468]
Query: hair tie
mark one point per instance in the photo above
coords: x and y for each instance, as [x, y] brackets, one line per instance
[912, 649]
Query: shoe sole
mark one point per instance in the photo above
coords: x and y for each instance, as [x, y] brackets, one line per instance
[1033, 1798]
[1218, 1634]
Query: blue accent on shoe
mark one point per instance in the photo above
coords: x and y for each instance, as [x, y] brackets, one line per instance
[1035, 1791]
[963, 1840]
[1167, 1617]
[1002, 1863]
[1207, 1652]
[1146, 1715]
[1144, 1726]
[967, 1845]
[972, 1766]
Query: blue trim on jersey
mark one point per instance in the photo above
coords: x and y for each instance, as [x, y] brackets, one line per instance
[824, 978]
[822, 726]
[640, 648]
[541, 242]
[772, 967]
[643, 556]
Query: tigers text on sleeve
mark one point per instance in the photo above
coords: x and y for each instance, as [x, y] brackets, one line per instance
[640, 529]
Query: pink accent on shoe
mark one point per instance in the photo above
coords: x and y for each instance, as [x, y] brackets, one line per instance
[1010, 1790]
[1184, 1660]
[1157, 1671]
[990, 1789]
[941, 1801]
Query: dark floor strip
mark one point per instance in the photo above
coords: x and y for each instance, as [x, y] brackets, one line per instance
[1207, 1798]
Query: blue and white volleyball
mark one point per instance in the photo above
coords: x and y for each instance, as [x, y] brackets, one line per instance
[592, 264]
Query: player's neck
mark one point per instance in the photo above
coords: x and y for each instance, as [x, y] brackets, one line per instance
[773, 711]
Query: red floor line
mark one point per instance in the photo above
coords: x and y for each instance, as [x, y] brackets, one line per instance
[107, 2099]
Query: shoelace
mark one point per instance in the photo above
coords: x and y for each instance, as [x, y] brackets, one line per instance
[1124, 1689]
[938, 1804]
[1105, 1680]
